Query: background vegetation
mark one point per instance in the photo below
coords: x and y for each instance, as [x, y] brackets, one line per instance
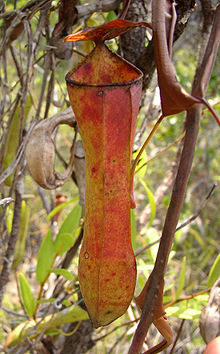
[34, 62]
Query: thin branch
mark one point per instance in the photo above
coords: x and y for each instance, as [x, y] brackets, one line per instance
[185, 223]
[6, 201]
[8, 259]
[98, 6]
[118, 340]
[10, 312]
[50, 89]
[124, 10]
[138, 252]
[14, 20]
[163, 188]
[161, 152]
[188, 297]
[177, 336]
[202, 206]
[17, 65]
[116, 328]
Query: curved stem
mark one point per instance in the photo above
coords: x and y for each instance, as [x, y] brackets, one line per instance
[143, 147]
[211, 110]
[162, 151]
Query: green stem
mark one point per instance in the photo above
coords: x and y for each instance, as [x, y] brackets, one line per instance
[42, 287]
[162, 151]
[143, 147]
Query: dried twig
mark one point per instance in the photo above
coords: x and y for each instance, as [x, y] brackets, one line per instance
[195, 215]
[177, 336]
[8, 258]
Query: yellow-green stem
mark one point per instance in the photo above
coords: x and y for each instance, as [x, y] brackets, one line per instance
[42, 287]
[163, 151]
[144, 146]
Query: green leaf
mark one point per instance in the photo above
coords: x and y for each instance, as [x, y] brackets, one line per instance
[190, 314]
[60, 207]
[46, 301]
[66, 303]
[64, 272]
[183, 312]
[72, 220]
[141, 281]
[22, 235]
[207, 256]
[145, 268]
[12, 139]
[214, 272]
[65, 236]
[64, 242]
[198, 238]
[111, 16]
[152, 236]
[182, 278]
[27, 295]
[45, 258]
[133, 229]
[9, 218]
[48, 323]
[68, 315]
[151, 201]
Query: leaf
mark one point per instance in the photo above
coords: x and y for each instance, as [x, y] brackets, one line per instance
[111, 16]
[183, 312]
[33, 329]
[22, 235]
[106, 31]
[65, 236]
[27, 295]
[152, 237]
[64, 272]
[66, 303]
[198, 238]
[46, 301]
[182, 277]
[190, 314]
[144, 268]
[72, 220]
[65, 242]
[71, 314]
[60, 207]
[11, 144]
[133, 229]
[151, 201]
[141, 281]
[214, 272]
[45, 257]
[210, 251]
[9, 218]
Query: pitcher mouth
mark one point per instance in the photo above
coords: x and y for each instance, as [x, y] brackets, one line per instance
[112, 84]
[103, 68]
